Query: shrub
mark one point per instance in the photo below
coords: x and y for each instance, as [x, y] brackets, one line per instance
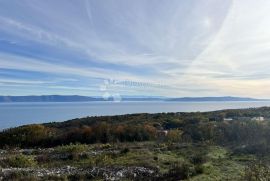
[103, 160]
[256, 171]
[21, 161]
[180, 171]
[124, 151]
[197, 158]
[105, 146]
[44, 158]
[73, 150]
[155, 158]
[174, 136]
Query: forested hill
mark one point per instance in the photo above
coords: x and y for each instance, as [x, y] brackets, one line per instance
[166, 118]
[220, 127]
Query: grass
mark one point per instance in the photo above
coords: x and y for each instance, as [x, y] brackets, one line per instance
[166, 159]
[209, 162]
[135, 158]
[220, 166]
[217, 152]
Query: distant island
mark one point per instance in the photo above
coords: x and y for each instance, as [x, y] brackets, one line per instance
[77, 98]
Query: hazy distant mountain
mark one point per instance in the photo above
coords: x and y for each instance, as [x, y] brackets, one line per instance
[76, 98]
[203, 99]
[48, 98]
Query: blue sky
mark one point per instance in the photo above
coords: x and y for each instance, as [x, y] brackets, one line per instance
[172, 48]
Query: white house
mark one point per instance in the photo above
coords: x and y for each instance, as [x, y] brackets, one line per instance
[260, 118]
[227, 119]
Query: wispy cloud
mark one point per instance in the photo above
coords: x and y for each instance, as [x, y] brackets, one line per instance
[195, 48]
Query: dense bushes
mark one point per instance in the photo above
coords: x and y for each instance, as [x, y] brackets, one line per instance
[196, 127]
[26, 136]
[180, 171]
[39, 135]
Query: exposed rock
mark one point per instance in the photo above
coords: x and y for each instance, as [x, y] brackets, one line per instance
[107, 173]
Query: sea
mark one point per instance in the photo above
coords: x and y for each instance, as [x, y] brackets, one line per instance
[17, 114]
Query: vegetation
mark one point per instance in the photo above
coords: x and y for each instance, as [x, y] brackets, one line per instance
[19, 161]
[219, 145]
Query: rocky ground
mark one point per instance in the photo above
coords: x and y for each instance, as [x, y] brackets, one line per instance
[72, 160]
[108, 173]
[122, 161]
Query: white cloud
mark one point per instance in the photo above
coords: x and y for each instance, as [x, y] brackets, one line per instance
[196, 48]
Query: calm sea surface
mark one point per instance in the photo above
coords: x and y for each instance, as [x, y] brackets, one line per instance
[15, 114]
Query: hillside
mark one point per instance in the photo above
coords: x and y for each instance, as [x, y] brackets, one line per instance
[218, 145]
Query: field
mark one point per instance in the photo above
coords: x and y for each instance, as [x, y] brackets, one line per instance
[130, 161]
